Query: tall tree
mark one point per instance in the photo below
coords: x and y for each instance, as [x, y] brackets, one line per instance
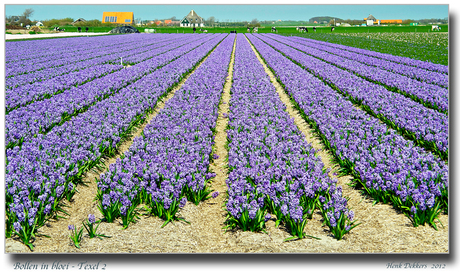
[211, 21]
[24, 19]
[27, 13]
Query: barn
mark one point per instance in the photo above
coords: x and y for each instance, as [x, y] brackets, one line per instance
[121, 18]
[192, 20]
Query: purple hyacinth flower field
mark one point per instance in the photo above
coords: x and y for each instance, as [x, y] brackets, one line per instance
[223, 143]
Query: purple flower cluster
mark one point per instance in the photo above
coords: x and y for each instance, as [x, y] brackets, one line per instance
[27, 94]
[389, 167]
[428, 94]
[41, 170]
[169, 163]
[57, 54]
[41, 116]
[421, 74]
[272, 167]
[428, 127]
[92, 56]
[397, 59]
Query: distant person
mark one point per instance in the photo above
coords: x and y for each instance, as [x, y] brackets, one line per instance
[79, 29]
[86, 29]
[194, 30]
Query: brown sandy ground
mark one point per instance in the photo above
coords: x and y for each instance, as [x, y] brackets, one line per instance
[382, 229]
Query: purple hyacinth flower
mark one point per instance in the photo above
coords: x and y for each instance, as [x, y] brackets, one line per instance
[182, 202]
[333, 222]
[47, 209]
[351, 215]
[91, 218]
[71, 227]
[17, 226]
[123, 210]
[267, 217]
[215, 194]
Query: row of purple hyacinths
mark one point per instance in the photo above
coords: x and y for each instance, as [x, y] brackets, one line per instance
[89, 57]
[272, 167]
[169, 163]
[421, 74]
[430, 95]
[398, 59]
[46, 168]
[41, 116]
[74, 49]
[55, 48]
[390, 168]
[45, 88]
[427, 127]
[60, 58]
[26, 94]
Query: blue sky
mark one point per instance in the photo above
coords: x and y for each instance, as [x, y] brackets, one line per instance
[241, 12]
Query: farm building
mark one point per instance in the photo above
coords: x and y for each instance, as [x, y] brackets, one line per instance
[192, 20]
[396, 21]
[370, 20]
[78, 21]
[122, 18]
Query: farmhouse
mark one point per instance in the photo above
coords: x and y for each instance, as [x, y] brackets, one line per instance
[121, 18]
[78, 21]
[370, 20]
[192, 20]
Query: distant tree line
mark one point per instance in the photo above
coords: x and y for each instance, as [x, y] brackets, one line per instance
[24, 19]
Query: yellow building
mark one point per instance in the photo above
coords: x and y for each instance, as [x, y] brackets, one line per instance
[122, 18]
[396, 21]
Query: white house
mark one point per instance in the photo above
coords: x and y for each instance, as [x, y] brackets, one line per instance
[370, 20]
[192, 20]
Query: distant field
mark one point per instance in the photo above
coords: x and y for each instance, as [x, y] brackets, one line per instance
[432, 47]
[417, 42]
[281, 30]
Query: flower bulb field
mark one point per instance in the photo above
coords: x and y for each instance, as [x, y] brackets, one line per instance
[223, 143]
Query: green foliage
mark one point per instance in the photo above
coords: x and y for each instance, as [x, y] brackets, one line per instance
[75, 235]
[417, 42]
[59, 22]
